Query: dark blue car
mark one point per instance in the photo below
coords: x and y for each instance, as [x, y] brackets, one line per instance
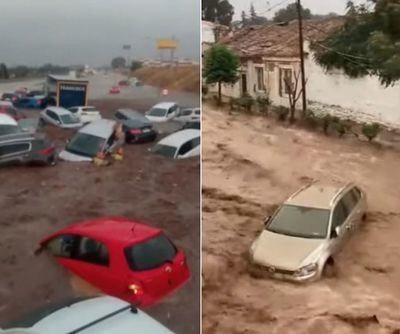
[29, 102]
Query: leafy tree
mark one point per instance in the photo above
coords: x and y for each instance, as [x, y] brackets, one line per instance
[294, 93]
[118, 62]
[253, 14]
[21, 71]
[220, 11]
[221, 65]
[4, 71]
[135, 65]
[244, 19]
[368, 43]
[290, 13]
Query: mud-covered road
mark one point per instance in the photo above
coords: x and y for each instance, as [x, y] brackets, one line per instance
[36, 201]
[250, 165]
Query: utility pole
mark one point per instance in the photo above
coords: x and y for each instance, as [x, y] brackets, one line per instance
[301, 46]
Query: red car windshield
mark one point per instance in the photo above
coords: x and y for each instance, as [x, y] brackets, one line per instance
[151, 254]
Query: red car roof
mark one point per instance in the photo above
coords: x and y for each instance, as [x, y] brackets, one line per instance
[117, 230]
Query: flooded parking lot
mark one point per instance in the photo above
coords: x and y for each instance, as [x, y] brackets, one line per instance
[36, 201]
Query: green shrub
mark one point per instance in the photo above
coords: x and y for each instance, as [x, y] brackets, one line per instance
[282, 113]
[370, 130]
[326, 121]
[311, 120]
[263, 103]
[246, 102]
[340, 128]
[233, 103]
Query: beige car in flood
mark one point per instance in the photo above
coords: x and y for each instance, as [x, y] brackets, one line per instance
[301, 238]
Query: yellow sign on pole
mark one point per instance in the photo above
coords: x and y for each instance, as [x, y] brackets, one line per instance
[167, 44]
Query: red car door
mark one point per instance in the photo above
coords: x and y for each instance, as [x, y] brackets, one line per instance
[89, 259]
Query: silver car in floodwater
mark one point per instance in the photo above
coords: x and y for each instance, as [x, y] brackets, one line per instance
[302, 237]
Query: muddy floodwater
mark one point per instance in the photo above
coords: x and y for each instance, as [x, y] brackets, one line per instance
[37, 201]
[251, 165]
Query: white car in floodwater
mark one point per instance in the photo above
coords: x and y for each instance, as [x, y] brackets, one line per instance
[163, 112]
[88, 141]
[179, 145]
[86, 114]
[60, 117]
[100, 315]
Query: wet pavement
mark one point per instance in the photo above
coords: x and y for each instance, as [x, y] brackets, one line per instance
[36, 201]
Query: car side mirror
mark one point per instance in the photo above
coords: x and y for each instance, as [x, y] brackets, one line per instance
[335, 233]
[267, 220]
[39, 250]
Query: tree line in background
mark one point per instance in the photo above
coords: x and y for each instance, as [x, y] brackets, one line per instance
[22, 71]
[221, 11]
[121, 63]
[368, 43]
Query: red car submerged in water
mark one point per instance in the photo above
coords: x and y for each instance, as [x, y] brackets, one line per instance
[123, 258]
[114, 90]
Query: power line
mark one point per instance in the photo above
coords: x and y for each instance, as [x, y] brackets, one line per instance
[268, 9]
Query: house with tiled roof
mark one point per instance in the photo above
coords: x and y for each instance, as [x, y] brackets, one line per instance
[270, 58]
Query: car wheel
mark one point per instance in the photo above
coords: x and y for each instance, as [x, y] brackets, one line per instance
[329, 269]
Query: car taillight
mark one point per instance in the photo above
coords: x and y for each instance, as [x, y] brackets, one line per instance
[136, 289]
[47, 151]
[136, 131]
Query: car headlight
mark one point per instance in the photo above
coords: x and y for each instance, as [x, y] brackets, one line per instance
[306, 270]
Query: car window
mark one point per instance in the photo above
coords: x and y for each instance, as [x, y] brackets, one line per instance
[172, 109]
[10, 149]
[8, 129]
[349, 201]
[339, 215]
[79, 248]
[150, 254]
[85, 144]
[73, 110]
[63, 245]
[356, 193]
[186, 112]
[69, 119]
[197, 112]
[157, 112]
[195, 142]
[89, 109]
[186, 147]
[52, 115]
[299, 221]
[91, 251]
[120, 116]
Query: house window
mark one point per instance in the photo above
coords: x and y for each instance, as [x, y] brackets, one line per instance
[260, 78]
[285, 75]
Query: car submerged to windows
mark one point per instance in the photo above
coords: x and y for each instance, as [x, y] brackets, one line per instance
[299, 242]
[123, 258]
[101, 315]
[88, 141]
[60, 117]
[163, 112]
[179, 145]
[137, 128]
[18, 147]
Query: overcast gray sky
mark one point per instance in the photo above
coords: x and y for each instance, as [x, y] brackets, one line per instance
[93, 31]
[316, 6]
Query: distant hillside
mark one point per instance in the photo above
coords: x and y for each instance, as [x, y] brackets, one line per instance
[185, 78]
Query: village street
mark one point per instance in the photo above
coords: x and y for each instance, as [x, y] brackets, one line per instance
[250, 165]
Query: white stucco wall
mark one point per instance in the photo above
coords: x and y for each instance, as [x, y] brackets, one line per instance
[207, 32]
[362, 99]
